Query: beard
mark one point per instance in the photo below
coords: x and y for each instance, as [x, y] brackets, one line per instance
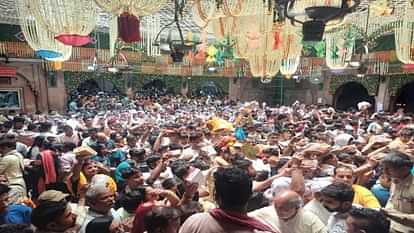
[331, 210]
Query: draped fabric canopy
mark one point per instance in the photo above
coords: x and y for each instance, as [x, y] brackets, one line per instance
[404, 37]
[70, 20]
[41, 40]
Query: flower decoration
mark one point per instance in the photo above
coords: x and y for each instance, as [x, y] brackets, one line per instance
[211, 54]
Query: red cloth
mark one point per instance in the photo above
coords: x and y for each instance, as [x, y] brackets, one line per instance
[239, 219]
[129, 28]
[48, 162]
[142, 210]
[73, 40]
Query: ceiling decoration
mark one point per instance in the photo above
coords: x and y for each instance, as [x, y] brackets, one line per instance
[70, 20]
[39, 38]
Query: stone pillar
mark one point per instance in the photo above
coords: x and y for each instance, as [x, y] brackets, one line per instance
[382, 98]
[234, 88]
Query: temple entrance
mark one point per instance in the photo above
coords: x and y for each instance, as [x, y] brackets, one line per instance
[350, 94]
[405, 98]
[94, 86]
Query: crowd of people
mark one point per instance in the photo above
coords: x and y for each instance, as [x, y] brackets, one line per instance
[172, 164]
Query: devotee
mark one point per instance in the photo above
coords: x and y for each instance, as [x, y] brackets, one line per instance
[400, 206]
[362, 196]
[11, 213]
[100, 197]
[231, 215]
[162, 220]
[54, 214]
[12, 165]
[365, 220]
[287, 215]
[337, 198]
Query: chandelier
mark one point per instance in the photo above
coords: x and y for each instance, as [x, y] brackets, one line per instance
[70, 20]
[265, 59]
[404, 37]
[151, 25]
[39, 39]
[250, 30]
[314, 15]
[292, 50]
[128, 12]
[339, 49]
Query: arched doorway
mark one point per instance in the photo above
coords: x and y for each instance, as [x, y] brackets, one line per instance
[350, 94]
[93, 86]
[405, 98]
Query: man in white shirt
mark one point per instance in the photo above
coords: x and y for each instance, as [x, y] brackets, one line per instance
[11, 165]
[68, 136]
[337, 198]
[287, 215]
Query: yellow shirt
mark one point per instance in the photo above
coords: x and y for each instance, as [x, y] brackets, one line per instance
[364, 197]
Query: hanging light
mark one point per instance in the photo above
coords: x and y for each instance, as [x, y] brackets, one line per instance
[128, 12]
[292, 50]
[338, 50]
[256, 42]
[314, 15]
[39, 39]
[150, 27]
[404, 39]
[70, 20]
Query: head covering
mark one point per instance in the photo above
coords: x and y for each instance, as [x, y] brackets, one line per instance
[342, 139]
[101, 184]
[52, 195]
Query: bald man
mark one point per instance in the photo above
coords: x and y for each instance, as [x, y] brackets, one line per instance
[287, 215]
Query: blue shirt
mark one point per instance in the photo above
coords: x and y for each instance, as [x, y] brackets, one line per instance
[381, 193]
[16, 214]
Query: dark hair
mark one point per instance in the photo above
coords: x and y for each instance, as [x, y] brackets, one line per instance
[151, 160]
[370, 220]
[342, 156]
[8, 140]
[129, 172]
[159, 217]
[45, 126]
[18, 119]
[242, 163]
[47, 212]
[13, 228]
[262, 175]
[135, 152]
[4, 189]
[169, 183]
[180, 168]
[131, 200]
[99, 224]
[200, 164]
[339, 191]
[407, 132]
[31, 127]
[344, 168]
[230, 183]
[67, 128]
[397, 159]
[68, 146]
